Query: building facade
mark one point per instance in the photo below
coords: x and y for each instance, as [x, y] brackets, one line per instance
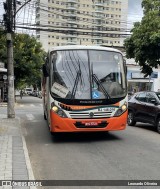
[86, 22]
[138, 82]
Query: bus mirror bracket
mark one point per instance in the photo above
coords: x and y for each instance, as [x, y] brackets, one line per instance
[45, 71]
[125, 65]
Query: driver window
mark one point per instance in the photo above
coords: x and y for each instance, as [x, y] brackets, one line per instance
[142, 97]
[151, 99]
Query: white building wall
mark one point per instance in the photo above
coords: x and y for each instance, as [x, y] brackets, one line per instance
[132, 67]
[42, 19]
[58, 14]
[124, 15]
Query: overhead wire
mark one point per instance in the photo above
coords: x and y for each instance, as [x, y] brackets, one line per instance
[30, 24]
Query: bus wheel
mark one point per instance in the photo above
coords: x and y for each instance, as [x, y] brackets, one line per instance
[52, 133]
[131, 121]
[45, 116]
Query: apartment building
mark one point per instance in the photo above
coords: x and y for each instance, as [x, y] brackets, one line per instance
[86, 22]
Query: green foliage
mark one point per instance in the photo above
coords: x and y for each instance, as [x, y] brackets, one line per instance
[3, 49]
[28, 59]
[144, 43]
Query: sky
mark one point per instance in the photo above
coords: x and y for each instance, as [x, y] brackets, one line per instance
[135, 11]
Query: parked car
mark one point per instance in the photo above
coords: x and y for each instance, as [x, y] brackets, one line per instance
[17, 93]
[28, 91]
[144, 107]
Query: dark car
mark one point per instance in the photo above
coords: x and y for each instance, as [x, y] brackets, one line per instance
[144, 107]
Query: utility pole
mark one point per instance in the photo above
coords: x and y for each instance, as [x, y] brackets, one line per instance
[8, 19]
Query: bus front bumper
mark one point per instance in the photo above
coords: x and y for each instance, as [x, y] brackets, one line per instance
[59, 124]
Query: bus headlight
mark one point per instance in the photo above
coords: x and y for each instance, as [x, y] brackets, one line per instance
[55, 108]
[59, 111]
[121, 110]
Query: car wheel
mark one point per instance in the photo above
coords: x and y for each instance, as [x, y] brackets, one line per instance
[158, 125]
[131, 121]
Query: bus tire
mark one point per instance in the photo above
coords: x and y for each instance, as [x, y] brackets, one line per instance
[131, 121]
[45, 118]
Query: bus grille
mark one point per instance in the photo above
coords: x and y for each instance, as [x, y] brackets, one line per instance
[87, 115]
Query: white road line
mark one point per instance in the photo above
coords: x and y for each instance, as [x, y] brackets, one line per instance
[30, 117]
[32, 105]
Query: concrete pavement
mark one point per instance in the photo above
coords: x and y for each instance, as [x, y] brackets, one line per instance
[14, 160]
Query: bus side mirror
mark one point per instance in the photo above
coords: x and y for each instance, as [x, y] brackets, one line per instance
[45, 70]
[126, 69]
[125, 66]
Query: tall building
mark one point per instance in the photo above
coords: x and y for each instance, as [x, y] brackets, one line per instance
[86, 22]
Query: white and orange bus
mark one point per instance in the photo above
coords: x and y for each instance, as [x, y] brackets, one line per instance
[84, 89]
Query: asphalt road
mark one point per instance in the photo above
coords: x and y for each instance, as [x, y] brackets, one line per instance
[133, 154]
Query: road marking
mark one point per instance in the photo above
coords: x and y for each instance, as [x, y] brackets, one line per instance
[30, 117]
[21, 105]
[32, 105]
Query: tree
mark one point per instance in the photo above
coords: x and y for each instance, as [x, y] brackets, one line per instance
[144, 42]
[28, 59]
[3, 49]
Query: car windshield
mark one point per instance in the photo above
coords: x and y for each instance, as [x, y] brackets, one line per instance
[87, 74]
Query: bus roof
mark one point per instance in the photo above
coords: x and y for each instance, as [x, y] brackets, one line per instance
[82, 47]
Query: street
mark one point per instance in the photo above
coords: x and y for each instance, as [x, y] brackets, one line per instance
[122, 155]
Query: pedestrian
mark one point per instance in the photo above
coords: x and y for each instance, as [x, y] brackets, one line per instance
[21, 94]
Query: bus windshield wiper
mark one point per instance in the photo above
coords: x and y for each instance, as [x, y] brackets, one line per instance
[78, 76]
[95, 78]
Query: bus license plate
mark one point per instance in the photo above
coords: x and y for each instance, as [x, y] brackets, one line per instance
[91, 124]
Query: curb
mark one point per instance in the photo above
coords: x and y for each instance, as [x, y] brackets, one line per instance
[28, 163]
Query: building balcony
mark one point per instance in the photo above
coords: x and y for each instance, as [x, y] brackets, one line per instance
[97, 32]
[97, 37]
[72, 21]
[99, 18]
[71, 7]
[97, 24]
[72, 1]
[72, 36]
[98, 4]
[99, 11]
[99, 42]
[71, 14]
[72, 29]
[72, 42]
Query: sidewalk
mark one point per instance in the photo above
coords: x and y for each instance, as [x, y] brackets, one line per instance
[14, 160]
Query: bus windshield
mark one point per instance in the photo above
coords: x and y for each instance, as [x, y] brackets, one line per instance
[87, 74]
